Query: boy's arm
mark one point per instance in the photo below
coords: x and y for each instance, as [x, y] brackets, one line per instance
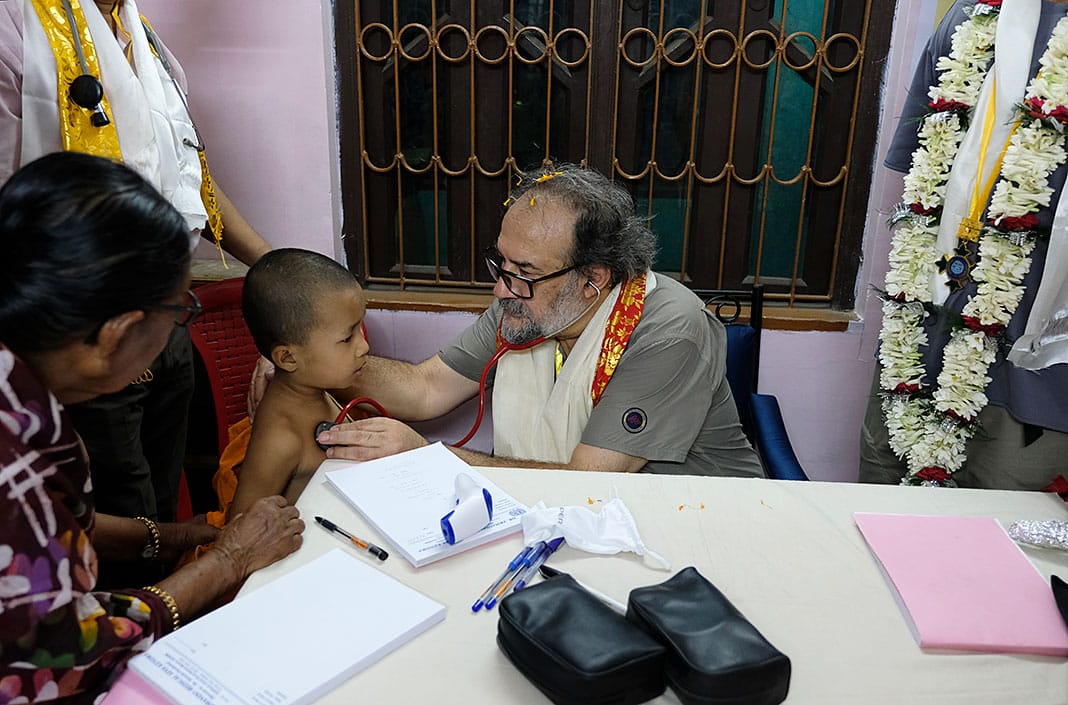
[273, 454]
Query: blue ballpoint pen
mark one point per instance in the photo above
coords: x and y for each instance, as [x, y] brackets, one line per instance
[535, 551]
[550, 548]
[515, 563]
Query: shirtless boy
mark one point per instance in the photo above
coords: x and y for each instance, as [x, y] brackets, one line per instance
[304, 311]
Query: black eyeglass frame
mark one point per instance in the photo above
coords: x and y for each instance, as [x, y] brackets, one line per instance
[497, 272]
[191, 311]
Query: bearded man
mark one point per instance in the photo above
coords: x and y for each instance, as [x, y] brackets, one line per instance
[621, 369]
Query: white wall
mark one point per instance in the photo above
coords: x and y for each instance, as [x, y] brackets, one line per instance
[262, 90]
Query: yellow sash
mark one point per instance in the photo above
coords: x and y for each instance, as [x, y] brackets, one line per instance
[79, 135]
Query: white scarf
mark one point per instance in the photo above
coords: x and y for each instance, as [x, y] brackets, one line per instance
[1017, 24]
[538, 414]
[149, 114]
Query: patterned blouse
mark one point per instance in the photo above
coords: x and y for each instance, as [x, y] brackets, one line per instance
[58, 639]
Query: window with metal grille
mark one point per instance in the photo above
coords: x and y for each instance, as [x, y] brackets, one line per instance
[745, 130]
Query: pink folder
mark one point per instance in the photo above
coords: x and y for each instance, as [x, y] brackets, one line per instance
[965, 584]
[132, 689]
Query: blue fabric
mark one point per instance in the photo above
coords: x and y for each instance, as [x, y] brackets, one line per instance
[740, 343]
[771, 440]
[759, 413]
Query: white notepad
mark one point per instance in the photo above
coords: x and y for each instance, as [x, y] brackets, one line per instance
[404, 497]
[292, 640]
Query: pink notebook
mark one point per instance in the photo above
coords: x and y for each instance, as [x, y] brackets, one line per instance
[965, 584]
[132, 689]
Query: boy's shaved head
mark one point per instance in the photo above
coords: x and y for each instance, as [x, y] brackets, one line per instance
[281, 295]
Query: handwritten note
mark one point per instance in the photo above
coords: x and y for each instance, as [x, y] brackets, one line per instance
[405, 496]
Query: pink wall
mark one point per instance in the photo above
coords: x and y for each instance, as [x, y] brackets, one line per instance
[263, 93]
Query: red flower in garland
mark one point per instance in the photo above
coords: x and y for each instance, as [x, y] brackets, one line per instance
[919, 209]
[933, 473]
[1036, 108]
[1017, 223]
[1059, 485]
[991, 3]
[959, 419]
[973, 323]
[906, 388]
[942, 105]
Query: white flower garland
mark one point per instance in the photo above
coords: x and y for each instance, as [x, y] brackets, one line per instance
[929, 428]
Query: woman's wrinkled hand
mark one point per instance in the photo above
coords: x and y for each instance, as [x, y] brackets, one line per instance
[262, 375]
[177, 538]
[371, 438]
[268, 531]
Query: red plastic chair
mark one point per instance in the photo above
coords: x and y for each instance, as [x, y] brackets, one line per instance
[225, 345]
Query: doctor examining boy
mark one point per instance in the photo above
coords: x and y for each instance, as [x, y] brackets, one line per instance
[630, 371]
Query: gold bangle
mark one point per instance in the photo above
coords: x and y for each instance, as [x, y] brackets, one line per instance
[172, 606]
[152, 545]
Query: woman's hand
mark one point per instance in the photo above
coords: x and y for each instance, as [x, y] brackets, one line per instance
[262, 375]
[370, 438]
[268, 531]
[177, 538]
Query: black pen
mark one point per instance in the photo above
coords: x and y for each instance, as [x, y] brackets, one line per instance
[360, 543]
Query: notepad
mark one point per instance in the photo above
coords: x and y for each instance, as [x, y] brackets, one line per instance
[965, 585]
[404, 497]
[292, 640]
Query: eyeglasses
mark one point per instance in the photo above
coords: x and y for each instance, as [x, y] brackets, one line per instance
[189, 310]
[520, 286]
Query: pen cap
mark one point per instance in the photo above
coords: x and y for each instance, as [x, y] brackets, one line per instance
[474, 510]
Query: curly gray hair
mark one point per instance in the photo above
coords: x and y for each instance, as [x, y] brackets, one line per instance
[607, 231]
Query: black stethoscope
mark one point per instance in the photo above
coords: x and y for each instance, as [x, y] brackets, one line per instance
[505, 347]
[87, 92]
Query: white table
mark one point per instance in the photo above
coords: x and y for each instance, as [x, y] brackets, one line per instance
[787, 554]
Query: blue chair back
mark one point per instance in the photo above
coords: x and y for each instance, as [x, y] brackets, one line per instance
[743, 343]
[759, 414]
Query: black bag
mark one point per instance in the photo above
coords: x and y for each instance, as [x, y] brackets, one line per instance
[575, 649]
[715, 656]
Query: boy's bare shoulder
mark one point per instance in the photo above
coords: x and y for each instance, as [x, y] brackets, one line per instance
[285, 427]
[276, 435]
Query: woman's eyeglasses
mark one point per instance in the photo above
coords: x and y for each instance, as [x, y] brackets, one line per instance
[520, 286]
[188, 311]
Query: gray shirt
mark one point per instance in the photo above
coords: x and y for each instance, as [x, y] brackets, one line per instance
[668, 400]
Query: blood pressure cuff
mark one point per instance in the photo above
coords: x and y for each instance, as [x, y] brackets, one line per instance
[715, 655]
[575, 649]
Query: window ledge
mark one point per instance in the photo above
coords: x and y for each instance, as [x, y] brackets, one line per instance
[212, 270]
[435, 300]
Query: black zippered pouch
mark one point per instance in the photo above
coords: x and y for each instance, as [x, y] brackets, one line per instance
[715, 655]
[575, 649]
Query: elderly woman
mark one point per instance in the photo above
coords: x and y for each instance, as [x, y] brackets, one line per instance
[93, 278]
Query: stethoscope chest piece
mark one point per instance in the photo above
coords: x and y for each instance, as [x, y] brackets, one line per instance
[319, 428]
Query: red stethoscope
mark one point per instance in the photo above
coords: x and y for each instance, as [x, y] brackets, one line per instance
[505, 347]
